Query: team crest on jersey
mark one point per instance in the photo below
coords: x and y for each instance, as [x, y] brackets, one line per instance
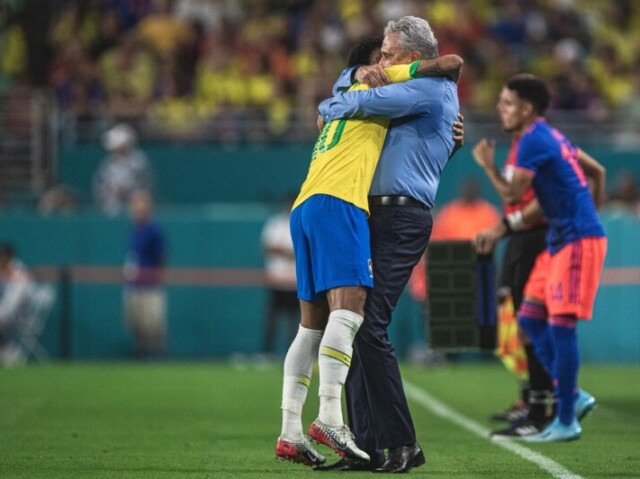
[370, 264]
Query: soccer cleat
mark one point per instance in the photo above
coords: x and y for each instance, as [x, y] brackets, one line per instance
[556, 431]
[338, 438]
[585, 403]
[301, 452]
[515, 413]
[520, 429]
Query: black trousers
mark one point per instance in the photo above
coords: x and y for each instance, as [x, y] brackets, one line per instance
[519, 257]
[376, 404]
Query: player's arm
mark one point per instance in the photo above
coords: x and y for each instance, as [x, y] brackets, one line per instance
[487, 239]
[446, 66]
[484, 154]
[375, 76]
[522, 179]
[596, 173]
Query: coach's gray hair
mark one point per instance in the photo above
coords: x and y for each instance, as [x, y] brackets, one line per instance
[414, 34]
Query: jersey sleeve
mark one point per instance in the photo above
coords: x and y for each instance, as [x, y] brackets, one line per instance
[532, 153]
[402, 73]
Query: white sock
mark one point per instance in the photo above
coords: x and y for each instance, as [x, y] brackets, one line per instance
[298, 367]
[334, 360]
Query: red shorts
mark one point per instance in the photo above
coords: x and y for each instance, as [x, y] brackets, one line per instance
[567, 281]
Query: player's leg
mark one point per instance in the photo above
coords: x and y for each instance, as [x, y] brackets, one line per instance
[339, 235]
[347, 309]
[532, 315]
[292, 445]
[336, 350]
[540, 398]
[565, 342]
[298, 367]
[523, 250]
[573, 280]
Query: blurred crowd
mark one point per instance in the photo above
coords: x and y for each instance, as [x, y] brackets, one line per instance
[181, 63]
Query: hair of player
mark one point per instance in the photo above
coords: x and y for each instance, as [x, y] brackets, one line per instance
[414, 34]
[361, 53]
[532, 89]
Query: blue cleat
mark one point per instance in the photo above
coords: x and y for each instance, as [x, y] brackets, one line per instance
[585, 403]
[556, 431]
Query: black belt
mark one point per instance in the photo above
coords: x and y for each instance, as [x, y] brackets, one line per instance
[397, 200]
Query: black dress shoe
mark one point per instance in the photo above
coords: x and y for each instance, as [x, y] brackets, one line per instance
[347, 465]
[402, 459]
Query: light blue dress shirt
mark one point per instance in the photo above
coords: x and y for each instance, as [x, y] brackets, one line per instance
[420, 137]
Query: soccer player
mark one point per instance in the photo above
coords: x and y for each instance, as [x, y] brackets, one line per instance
[334, 272]
[562, 285]
[526, 241]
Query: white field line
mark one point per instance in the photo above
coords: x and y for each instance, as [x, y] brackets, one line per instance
[445, 412]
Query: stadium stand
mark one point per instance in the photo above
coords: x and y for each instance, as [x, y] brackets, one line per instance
[254, 70]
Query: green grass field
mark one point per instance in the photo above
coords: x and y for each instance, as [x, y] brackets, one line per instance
[210, 420]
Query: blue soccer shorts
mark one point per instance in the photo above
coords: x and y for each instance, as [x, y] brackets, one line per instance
[331, 246]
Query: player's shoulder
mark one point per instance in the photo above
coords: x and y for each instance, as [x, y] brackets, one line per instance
[538, 134]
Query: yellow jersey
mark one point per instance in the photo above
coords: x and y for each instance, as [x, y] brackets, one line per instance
[346, 153]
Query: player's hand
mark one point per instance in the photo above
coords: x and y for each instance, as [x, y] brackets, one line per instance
[484, 153]
[487, 239]
[372, 75]
[458, 130]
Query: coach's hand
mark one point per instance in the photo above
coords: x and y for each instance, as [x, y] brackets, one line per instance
[372, 75]
[458, 130]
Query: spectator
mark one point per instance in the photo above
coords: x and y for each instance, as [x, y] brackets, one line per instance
[280, 266]
[123, 171]
[106, 38]
[75, 79]
[162, 31]
[144, 297]
[15, 285]
[128, 72]
[33, 19]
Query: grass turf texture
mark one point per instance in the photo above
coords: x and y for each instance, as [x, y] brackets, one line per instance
[221, 421]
